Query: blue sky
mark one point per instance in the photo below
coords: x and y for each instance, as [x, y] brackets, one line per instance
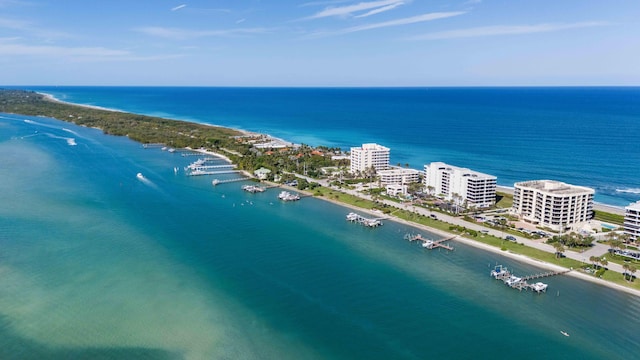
[320, 43]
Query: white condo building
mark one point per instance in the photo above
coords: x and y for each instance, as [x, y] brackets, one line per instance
[632, 220]
[553, 204]
[396, 175]
[369, 155]
[474, 188]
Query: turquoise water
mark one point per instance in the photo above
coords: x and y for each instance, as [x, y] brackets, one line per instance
[96, 263]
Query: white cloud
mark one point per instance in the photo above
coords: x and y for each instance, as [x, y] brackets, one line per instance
[397, 22]
[380, 9]
[240, 21]
[504, 30]
[182, 34]
[179, 7]
[350, 9]
[9, 48]
[12, 49]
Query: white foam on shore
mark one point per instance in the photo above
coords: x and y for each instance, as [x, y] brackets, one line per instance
[629, 190]
[95, 107]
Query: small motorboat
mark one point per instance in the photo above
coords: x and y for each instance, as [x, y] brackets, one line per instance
[564, 333]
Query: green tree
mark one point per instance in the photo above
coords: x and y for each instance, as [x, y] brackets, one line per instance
[559, 248]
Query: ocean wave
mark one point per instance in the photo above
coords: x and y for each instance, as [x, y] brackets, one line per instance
[629, 190]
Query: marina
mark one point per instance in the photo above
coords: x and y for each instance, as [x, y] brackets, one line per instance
[368, 222]
[520, 283]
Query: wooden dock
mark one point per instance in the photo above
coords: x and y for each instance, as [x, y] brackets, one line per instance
[431, 244]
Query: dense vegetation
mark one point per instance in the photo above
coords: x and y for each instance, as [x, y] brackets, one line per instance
[173, 133]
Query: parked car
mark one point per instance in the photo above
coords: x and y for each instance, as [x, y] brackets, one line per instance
[510, 238]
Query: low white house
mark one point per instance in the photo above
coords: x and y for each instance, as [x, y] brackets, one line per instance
[262, 173]
[396, 190]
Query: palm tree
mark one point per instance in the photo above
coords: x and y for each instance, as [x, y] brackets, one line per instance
[594, 260]
[626, 269]
[632, 270]
[430, 189]
[559, 248]
[604, 262]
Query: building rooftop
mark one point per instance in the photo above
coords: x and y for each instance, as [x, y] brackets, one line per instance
[464, 171]
[634, 206]
[554, 187]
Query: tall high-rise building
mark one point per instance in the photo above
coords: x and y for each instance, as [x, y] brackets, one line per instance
[455, 183]
[553, 204]
[367, 156]
[632, 220]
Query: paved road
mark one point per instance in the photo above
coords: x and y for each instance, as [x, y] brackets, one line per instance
[597, 250]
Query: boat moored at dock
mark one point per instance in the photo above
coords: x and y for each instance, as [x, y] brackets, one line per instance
[253, 188]
[287, 196]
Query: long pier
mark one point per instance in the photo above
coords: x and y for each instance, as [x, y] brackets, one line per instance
[215, 182]
[502, 273]
[202, 172]
[209, 167]
[431, 244]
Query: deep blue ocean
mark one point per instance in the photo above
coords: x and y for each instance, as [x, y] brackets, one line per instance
[583, 136]
[98, 263]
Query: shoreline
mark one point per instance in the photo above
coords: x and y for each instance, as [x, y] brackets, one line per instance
[479, 245]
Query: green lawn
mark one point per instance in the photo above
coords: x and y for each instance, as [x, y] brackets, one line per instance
[608, 217]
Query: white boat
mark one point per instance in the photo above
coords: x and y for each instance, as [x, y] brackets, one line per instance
[513, 280]
[140, 176]
[352, 216]
[253, 188]
[427, 244]
[287, 196]
[215, 182]
[564, 333]
[539, 287]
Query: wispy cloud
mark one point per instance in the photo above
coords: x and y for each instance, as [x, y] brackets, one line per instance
[182, 34]
[27, 27]
[325, 2]
[505, 30]
[10, 48]
[380, 9]
[397, 22]
[240, 21]
[179, 7]
[343, 11]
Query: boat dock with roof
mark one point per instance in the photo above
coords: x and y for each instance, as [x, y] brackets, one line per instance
[368, 222]
[431, 244]
[502, 273]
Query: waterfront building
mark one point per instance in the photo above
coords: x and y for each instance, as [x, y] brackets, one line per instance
[632, 221]
[397, 175]
[553, 204]
[462, 185]
[367, 156]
